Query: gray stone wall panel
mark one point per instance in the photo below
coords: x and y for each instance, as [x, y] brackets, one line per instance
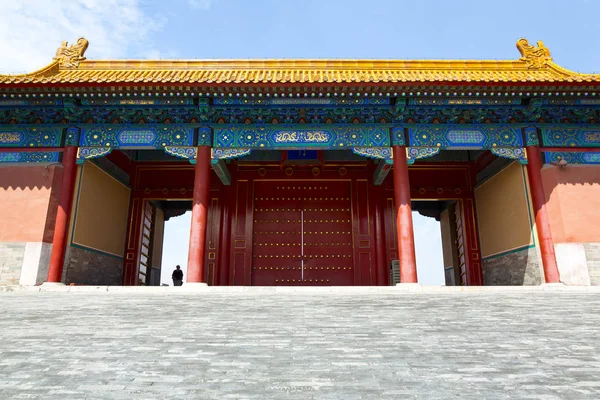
[88, 267]
[11, 262]
[512, 269]
[592, 254]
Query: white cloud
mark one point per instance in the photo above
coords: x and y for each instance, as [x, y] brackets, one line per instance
[32, 30]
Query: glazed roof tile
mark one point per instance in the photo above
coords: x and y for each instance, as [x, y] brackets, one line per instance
[70, 67]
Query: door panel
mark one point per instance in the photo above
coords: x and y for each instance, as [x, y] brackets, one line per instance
[328, 234]
[302, 233]
[146, 248]
[276, 256]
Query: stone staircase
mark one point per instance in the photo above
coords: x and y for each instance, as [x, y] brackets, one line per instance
[300, 343]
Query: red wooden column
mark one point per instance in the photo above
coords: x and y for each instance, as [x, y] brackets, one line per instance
[542, 224]
[404, 223]
[61, 225]
[196, 256]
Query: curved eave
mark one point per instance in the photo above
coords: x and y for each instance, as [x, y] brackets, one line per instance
[298, 72]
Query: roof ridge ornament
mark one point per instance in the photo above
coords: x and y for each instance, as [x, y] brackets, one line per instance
[535, 57]
[69, 57]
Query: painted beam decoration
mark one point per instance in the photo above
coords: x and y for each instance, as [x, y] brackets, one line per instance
[188, 153]
[86, 153]
[515, 153]
[137, 137]
[573, 158]
[571, 136]
[308, 101]
[178, 140]
[29, 157]
[416, 153]
[30, 135]
[465, 137]
[225, 154]
[292, 137]
[384, 153]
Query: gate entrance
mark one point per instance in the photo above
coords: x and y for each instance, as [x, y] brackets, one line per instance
[302, 233]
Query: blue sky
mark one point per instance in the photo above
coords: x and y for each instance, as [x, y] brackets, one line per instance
[31, 30]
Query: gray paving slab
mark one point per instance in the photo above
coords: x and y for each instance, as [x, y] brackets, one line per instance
[535, 344]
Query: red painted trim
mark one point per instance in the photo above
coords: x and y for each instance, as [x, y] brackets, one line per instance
[570, 149]
[404, 223]
[542, 222]
[30, 149]
[61, 225]
[201, 200]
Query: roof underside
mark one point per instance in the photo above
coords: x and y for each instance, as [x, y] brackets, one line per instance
[532, 68]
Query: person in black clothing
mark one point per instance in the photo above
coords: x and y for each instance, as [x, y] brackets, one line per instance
[177, 276]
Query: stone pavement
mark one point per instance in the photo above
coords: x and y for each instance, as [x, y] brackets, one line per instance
[252, 344]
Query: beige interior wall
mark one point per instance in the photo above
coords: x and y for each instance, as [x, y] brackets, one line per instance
[100, 212]
[502, 212]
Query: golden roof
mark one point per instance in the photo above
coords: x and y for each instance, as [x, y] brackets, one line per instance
[71, 67]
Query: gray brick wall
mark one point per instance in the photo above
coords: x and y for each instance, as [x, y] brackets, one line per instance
[87, 267]
[11, 261]
[512, 269]
[592, 254]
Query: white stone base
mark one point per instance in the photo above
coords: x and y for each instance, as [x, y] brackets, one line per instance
[189, 287]
[572, 264]
[403, 289]
[409, 287]
[36, 261]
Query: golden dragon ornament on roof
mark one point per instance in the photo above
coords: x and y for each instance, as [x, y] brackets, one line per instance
[535, 57]
[69, 57]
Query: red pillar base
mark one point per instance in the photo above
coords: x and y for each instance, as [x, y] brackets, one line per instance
[404, 222]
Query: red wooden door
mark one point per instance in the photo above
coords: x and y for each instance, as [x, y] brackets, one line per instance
[277, 254]
[302, 233]
[327, 231]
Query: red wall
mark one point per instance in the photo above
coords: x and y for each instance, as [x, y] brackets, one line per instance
[573, 198]
[28, 201]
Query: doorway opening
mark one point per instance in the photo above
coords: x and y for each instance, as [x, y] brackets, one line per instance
[438, 241]
[164, 241]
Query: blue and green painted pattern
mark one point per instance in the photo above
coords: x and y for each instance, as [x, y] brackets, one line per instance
[573, 158]
[30, 135]
[299, 137]
[147, 136]
[571, 136]
[465, 137]
[29, 157]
